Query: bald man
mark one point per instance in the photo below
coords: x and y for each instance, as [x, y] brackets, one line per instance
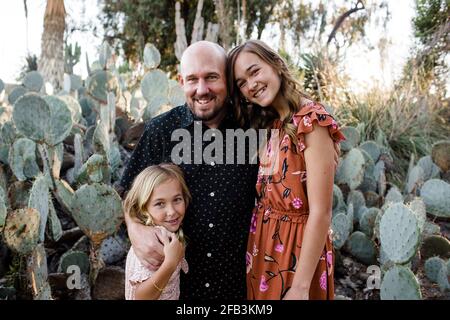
[217, 220]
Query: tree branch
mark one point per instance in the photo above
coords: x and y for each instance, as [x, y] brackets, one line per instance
[341, 19]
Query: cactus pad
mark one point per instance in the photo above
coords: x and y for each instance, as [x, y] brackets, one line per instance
[399, 233]
[341, 230]
[22, 230]
[97, 210]
[399, 283]
[22, 159]
[39, 198]
[436, 195]
[152, 57]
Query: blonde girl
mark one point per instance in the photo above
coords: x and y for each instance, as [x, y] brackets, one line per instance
[158, 197]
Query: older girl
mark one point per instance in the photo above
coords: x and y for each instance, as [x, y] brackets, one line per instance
[290, 253]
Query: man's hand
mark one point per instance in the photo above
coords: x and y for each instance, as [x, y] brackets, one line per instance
[146, 244]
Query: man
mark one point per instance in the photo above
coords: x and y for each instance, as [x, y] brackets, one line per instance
[223, 195]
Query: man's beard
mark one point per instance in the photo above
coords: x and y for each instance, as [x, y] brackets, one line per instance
[205, 116]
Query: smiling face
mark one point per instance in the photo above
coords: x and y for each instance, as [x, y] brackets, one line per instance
[167, 205]
[202, 77]
[257, 81]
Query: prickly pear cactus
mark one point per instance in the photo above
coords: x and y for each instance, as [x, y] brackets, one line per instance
[74, 107]
[399, 233]
[38, 274]
[22, 159]
[154, 83]
[39, 198]
[42, 120]
[18, 194]
[417, 207]
[400, 283]
[16, 93]
[352, 138]
[361, 247]
[352, 170]
[432, 267]
[54, 224]
[430, 170]
[372, 149]
[152, 57]
[176, 94]
[416, 178]
[341, 230]
[435, 245]
[100, 83]
[442, 280]
[22, 230]
[367, 221]
[394, 195]
[64, 194]
[31, 116]
[33, 81]
[436, 195]
[356, 198]
[97, 210]
[74, 258]
[113, 249]
[154, 107]
[60, 121]
[96, 169]
[338, 200]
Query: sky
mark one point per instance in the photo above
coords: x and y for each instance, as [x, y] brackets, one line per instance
[363, 66]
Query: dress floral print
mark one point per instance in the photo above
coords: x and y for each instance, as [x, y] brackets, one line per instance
[281, 212]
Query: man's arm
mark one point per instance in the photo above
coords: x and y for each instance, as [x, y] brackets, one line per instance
[145, 241]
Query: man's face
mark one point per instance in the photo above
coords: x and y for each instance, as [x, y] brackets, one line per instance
[204, 84]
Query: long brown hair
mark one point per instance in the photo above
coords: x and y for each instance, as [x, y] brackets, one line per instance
[254, 115]
[135, 203]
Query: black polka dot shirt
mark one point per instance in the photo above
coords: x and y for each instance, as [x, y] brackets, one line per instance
[217, 221]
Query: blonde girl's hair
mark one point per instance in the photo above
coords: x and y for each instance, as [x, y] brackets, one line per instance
[254, 115]
[135, 203]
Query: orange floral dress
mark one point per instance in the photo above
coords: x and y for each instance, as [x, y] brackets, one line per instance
[281, 212]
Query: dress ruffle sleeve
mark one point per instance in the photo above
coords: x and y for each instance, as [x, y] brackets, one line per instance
[304, 120]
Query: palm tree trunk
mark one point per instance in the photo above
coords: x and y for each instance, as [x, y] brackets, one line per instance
[51, 62]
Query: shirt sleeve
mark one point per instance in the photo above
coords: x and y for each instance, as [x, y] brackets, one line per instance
[148, 152]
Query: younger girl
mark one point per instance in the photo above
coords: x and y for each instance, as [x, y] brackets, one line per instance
[158, 197]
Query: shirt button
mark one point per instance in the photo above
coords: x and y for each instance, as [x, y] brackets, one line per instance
[211, 225]
[213, 163]
[212, 194]
[207, 285]
[209, 254]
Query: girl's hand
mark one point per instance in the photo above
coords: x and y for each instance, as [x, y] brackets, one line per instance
[173, 249]
[297, 294]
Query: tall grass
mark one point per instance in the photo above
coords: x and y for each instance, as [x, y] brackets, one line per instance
[405, 119]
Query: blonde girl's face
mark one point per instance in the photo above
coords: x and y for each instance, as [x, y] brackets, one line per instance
[167, 206]
[258, 81]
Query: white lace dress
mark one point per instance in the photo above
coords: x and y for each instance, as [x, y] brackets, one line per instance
[135, 273]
